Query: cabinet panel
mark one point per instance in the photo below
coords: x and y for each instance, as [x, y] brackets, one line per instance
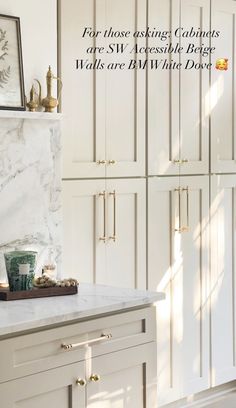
[178, 120]
[128, 379]
[178, 265]
[126, 255]
[53, 388]
[194, 118]
[223, 154]
[88, 218]
[163, 96]
[83, 225]
[223, 250]
[106, 118]
[83, 125]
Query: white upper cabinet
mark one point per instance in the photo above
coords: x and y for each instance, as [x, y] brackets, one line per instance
[104, 132]
[223, 288]
[105, 231]
[178, 118]
[178, 265]
[223, 87]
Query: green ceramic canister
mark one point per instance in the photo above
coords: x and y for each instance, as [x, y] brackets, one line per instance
[20, 266]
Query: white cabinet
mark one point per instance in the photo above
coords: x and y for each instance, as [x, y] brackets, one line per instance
[104, 130]
[53, 388]
[223, 289]
[178, 265]
[124, 377]
[223, 87]
[178, 119]
[93, 373]
[105, 231]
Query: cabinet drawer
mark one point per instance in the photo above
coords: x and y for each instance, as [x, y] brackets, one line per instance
[32, 353]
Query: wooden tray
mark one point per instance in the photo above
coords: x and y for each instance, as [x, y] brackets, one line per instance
[5, 294]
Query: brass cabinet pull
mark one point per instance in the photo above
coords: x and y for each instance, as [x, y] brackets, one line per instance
[81, 382]
[178, 190]
[101, 162]
[95, 377]
[186, 227]
[113, 237]
[103, 238]
[100, 339]
[182, 228]
[180, 161]
[112, 161]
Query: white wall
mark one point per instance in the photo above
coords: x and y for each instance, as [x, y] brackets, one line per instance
[39, 36]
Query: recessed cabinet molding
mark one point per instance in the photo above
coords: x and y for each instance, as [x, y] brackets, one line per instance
[105, 220]
[104, 131]
[223, 290]
[178, 225]
[178, 119]
[223, 90]
[122, 370]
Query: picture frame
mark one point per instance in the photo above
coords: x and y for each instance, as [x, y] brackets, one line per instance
[12, 89]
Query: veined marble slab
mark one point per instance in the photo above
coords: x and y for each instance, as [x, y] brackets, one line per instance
[91, 301]
[30, 188]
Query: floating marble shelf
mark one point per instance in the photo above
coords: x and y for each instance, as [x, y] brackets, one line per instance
[8, 114]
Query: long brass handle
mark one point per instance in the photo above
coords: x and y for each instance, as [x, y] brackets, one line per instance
[185, 228]
[178, 190]
[100, 339]
[104, 237]
[114, 237]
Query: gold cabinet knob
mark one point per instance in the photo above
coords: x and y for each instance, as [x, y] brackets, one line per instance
[112, 162]
[95, 377]
[81, 382]
[101, 162]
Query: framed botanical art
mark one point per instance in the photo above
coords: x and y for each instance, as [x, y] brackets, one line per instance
[12, 94]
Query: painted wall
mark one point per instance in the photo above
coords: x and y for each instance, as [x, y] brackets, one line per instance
[39, 36]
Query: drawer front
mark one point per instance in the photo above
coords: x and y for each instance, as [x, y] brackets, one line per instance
[32, 353]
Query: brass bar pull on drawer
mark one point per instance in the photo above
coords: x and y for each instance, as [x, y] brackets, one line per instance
[100, 339]
[104, 237]
[113, 237]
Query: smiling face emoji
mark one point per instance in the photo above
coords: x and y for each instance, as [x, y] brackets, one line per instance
[222, 64]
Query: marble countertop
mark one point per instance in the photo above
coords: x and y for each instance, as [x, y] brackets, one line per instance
[91, 301]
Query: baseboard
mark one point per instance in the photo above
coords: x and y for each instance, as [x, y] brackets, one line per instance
[204, 398]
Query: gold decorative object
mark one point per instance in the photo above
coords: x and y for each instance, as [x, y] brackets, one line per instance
[50, 103]
[35, 98]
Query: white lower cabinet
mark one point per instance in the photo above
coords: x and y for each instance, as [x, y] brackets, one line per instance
[178, 265]
[105, 231]
[88, 375]
[223, 289]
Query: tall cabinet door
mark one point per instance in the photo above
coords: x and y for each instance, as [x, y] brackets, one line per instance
[178, 265]
[178, 120]
[223, 89]
[82, 98]
[194, 91]
[126, 244]
[127, 379]
[223, 289]
[84, 228]
[104, 130]
[52, 388]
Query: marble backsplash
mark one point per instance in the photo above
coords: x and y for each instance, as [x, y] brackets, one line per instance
[30, 188]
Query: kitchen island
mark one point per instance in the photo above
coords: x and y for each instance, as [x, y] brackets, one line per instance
[95, 349]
